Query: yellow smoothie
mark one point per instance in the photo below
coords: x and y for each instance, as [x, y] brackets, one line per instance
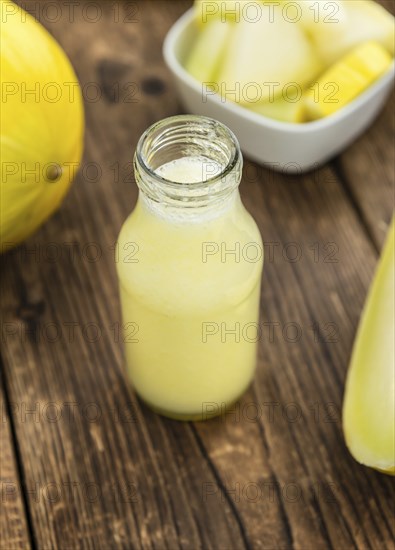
[192, 293]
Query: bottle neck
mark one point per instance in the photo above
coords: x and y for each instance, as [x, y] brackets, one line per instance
[188, 166]
[191, 216]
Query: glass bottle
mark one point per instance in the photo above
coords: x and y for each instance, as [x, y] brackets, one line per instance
[189, 266]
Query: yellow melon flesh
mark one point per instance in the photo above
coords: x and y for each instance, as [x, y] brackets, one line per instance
[365, 20]
[41, 125]
[369, 401]
[280, 109]
[208, 50]
[346, 79]
[220, 10]
[264, 52]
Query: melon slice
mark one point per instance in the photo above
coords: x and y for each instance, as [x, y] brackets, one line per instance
[369, 401]
[271, 53]
[366, 20]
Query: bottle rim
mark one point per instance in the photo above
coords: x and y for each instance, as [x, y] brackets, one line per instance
[215, 141]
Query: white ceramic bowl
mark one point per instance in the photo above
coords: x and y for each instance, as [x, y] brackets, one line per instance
[284, 146]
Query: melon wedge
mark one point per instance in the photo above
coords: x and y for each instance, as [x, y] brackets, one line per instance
[369, 401]
[281, 109]
[208, 51]
[270, 51]
[346, 79]
[210, 10]
[230, 10]
[366, 20]
[315, 15]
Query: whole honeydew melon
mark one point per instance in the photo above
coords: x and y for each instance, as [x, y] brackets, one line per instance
[41, 125]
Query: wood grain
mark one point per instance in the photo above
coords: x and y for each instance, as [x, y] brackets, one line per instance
[103, 471]
[13, 526]
[368, 168]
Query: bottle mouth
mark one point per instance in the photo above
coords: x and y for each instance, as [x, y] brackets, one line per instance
[194, 137]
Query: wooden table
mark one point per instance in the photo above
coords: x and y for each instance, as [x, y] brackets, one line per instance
[86, 465]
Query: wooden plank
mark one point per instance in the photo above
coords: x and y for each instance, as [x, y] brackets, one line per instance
[106, 471]
[117, 481]
[368, 170]
[305, 378]
[13, 526]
